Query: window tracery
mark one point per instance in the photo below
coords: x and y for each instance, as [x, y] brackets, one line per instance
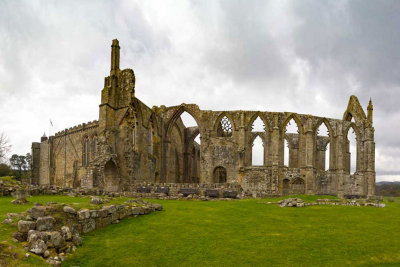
[224, 127]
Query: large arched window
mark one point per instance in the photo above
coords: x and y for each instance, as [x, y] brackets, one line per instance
[86, 151]
[191, 148]
[258, 150]
[291, 144]
[351, 149]
[224, 128]
[323, 147]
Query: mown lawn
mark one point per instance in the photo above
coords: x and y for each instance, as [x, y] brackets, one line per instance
[241, 233]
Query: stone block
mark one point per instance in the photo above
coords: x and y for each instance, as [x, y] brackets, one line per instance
[88, 225]
[38, 211]
[66, 233]
[94, 213]
[56, 239]
[83, 214]
[38, 247]
[25, 226]
[103, 213]
[136, 210]
[69, 210]
[45, 223]
[114, 216]
[110, 209]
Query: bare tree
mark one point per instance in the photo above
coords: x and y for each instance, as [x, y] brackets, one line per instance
[4, 147]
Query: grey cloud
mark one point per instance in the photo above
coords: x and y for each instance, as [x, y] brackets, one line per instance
[303, 56]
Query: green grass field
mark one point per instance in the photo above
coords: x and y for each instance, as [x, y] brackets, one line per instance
[239, 233]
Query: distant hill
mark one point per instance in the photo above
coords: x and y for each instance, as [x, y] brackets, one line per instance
[387, 182]
[388, 189]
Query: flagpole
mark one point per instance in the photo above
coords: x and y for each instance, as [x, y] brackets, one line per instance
[50, 125]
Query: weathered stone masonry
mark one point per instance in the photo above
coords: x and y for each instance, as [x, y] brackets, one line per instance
[132, 143]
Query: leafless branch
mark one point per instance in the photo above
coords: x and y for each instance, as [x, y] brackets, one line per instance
[4, 147]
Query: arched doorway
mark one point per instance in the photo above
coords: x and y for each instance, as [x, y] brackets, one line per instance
[298, 186]
[111, 181]
[220, 175]
[286, 186]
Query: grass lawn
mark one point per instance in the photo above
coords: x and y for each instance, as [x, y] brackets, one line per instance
[245, 232]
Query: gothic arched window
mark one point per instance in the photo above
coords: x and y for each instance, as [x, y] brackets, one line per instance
[86, 151]
[224, 127]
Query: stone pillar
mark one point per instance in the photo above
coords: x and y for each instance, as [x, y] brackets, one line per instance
[242, 141]
[307, 170]
[340, 145]
[277, 146]
[164, 163]
[369, 156]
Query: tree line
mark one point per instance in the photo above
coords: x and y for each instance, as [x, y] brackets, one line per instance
[18, 166]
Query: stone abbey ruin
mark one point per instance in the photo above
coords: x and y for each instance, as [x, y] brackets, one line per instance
[132, 145]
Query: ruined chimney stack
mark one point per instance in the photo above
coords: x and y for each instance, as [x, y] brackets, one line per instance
[114, 57]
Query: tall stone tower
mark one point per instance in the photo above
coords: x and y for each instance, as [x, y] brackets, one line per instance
[118, 91]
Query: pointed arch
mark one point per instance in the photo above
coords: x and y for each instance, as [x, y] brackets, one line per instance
[356, 130]
[136, 108]
[290, 156]
[327, 124]
[254, 118]
[331, 163]
[258, 152]
[347, 148]
[354, 110]
[220, 117]
[85, 150]
[177, 114]
[179, 148]
[297, 121]
[220, 175]
[298, 186]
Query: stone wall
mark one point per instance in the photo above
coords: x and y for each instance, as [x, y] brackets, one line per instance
[136, 144]
[54, 230]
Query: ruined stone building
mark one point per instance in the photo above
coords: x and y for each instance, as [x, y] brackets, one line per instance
[133, 144]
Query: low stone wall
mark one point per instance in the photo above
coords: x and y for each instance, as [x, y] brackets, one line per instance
[54, 230]
[162, 190]
[298, 202]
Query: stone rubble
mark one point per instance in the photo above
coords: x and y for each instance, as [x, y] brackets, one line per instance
[54, 230]
[298, 202]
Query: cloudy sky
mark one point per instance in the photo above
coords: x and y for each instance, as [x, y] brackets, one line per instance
[301, 56]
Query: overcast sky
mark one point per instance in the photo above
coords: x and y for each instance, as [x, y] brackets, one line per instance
[301, 56]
